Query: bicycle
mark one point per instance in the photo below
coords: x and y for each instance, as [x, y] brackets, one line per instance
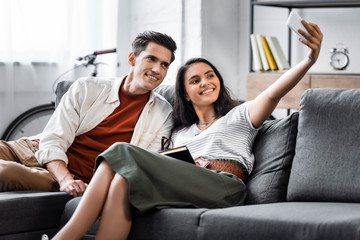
[33, 121]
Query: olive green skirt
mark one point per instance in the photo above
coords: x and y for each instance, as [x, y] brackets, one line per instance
[158, 181]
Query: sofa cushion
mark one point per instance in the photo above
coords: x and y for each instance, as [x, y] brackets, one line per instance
[168, 92]
[28, 211]
[160, 224]
[173, 223]
[61, 88]
[286, 220]
[327, 159]
[274, 149]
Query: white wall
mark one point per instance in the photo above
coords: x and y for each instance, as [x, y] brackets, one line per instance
[201, 28]
[338, 26]
[139, 15]
[220, 38]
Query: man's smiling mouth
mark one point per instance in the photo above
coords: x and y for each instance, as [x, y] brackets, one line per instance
[152, 77]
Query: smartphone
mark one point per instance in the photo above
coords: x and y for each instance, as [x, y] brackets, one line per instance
[294, 22]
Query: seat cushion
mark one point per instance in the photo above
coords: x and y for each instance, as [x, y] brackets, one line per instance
[286, 220]
[274, 150]
[174, 223]
[326, 163]
[28, 211]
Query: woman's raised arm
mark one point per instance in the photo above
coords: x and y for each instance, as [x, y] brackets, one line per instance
[264, 104]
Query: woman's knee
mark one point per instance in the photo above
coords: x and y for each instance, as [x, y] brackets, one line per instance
[104, 171]
[120, 181]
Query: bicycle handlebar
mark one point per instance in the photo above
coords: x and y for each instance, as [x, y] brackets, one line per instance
[91, 57]
[105, 51]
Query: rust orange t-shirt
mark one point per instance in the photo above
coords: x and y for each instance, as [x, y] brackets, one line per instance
[117, 127]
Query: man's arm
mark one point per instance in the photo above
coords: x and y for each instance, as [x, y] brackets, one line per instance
[264, 104]
[59, 171]
[58, 135]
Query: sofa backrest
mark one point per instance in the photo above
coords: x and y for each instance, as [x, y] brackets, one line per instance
[326, 165]
[61, 88]
[274, 150]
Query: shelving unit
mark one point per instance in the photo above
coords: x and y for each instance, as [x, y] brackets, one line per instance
[258, 81]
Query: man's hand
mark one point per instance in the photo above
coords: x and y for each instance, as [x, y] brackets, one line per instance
[73, 187]
[59, 171]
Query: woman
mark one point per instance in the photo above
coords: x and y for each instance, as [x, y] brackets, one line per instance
[219, 135]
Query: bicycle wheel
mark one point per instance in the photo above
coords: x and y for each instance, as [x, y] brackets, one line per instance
[29, 123]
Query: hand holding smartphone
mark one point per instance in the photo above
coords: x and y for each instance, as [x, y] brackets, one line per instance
[294, 22]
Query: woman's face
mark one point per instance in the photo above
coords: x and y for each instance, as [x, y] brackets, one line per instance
[202, 85]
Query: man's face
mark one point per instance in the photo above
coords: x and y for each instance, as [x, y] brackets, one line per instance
[151, 66]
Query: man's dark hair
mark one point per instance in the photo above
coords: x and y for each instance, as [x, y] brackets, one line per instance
[142, 39]
[184, 113]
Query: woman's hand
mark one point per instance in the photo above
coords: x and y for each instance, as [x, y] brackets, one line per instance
[264, 104]
[313, 40]
[201, 162]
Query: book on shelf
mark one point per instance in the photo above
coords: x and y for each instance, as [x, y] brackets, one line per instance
[269, 56]
[262, 53]
[278, 53]
[257, 65]
[181, 153]
[267, 53]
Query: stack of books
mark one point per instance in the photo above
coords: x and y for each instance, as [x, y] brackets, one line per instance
[267, 53]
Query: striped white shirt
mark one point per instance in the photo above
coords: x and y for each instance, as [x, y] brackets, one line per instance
[231, 137]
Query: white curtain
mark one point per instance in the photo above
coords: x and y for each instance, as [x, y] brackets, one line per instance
[40, 39]
[55, 30]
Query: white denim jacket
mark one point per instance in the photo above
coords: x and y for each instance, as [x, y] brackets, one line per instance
[86, 104]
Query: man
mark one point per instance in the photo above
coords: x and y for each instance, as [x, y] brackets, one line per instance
[92, 115]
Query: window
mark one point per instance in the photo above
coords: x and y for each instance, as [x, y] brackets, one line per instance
[57, 30]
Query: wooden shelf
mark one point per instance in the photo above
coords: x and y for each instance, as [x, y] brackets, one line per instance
[258, 82]
[333, 72]
[307, 4]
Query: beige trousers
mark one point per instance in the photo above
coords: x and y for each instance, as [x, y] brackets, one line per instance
[19, 169]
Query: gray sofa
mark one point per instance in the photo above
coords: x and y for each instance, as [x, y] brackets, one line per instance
[305, 185]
